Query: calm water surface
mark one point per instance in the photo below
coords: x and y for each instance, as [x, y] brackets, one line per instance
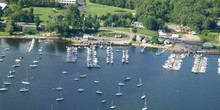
[165, 90]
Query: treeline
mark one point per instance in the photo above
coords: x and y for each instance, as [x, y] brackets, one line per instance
[38, 3]
[197, 14]
[130, 4]
[117, 20]
[72, 21]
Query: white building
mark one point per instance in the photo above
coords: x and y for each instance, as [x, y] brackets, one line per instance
[67, 2]
[138, 25]
[3, 5]
[139, 38]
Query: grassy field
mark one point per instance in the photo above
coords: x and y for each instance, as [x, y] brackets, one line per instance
[117, 29]
[4, 34]
[103, 9]
[147, 32]
[44, 12]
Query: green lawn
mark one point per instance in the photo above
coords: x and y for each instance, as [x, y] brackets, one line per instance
[43, 13]
[117, 29]
[147, 32]
[4, 34]
[103, 9]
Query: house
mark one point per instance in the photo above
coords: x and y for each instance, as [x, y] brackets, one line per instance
[162, 34]
[161, 40]
[145, 40]
[175, 36]
[139, 38]
[138, 25]
[87, 37]
[3, 5]
[67, 2]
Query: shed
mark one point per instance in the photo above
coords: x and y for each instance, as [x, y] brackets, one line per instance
[207, 45]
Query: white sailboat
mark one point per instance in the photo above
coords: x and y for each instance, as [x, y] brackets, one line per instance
[119, 92]
[76, 78]
[26, 82]
[24, 89]
[59, 98]
[3, 88]
[32, 45]
[8, 82]
[143, 96]
[112, 105]
[145, 105]
[80, 90]
[96, 81]
[140, 83]
[59, 88]
[121, 84]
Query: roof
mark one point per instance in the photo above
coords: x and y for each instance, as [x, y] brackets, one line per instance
[3, 5]
[208, 44]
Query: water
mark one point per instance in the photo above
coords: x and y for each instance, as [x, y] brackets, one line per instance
[165, 90]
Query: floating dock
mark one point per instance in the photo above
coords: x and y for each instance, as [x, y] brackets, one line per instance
[174, 62]
[200, 64]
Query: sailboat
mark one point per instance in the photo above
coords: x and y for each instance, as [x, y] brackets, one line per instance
[76, 78]
[64, 72]
[143, 96]
[96, 81]
[26, 82]
[112, 106]
[59, 88]
[104, 101]
[140, 83]
[145, 105]
[3, 88]
[24, 89]
[59, 98]
[1, 60]
[121, 84]
[11, 76]
[119, 92]
[80, 90]
[8, 82]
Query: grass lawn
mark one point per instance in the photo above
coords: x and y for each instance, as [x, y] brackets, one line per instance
[4, 34]
[147, 32]
[44, 12]
[99, 9]
[117, 29]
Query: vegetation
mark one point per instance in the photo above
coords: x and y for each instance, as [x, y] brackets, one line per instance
[117, 29]
[37, 3]
[134, 30]
[147, 32]
[130, 4]
[103, 9]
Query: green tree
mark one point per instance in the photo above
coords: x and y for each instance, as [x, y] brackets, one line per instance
[37, 21]
[134, 30]
[9, 29]
[96, 26]
[25, 30]
[150, 23]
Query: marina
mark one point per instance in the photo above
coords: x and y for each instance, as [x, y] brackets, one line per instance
[174, 62]
[200, 64]
[110, 57]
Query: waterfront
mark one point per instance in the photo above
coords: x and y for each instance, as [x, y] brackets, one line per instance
[165, 90]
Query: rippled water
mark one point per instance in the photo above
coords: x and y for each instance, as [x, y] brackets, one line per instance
[165, 90]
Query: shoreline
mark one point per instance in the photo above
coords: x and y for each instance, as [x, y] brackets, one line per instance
[77, 42]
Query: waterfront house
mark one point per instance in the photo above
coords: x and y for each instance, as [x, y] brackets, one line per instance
[139, 38]
[162, 34]
[67, 2]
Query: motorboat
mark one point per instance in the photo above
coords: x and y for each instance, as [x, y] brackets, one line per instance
[80, 90]
[99, 92]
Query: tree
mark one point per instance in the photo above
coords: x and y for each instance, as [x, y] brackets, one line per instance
[150, 23]
[96, 26]
[37, 21]
[134, 30]
[134, 38]
[206, 25]
[9, 29]
[25, 30]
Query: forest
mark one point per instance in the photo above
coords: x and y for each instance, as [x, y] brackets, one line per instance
[197, 14]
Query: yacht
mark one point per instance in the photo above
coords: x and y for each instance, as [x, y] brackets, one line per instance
[121, 84]
[104, 101]
[80, 90]
[35, 61]
[33, 65]
[140, 83]
[64, 72]
[82, 76]
[127, 78]
[3, 89]
[99, 92]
